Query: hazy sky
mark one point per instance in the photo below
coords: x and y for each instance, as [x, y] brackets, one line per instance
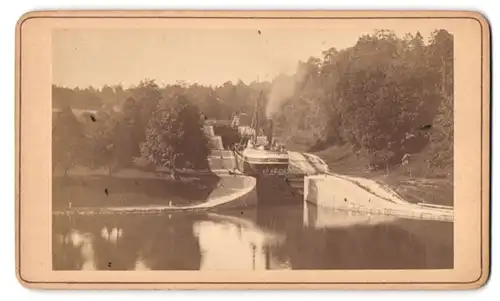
[96, 57]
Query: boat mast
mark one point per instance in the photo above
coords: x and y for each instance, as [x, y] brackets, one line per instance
[255, 119]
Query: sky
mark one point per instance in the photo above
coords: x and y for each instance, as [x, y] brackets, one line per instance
[210, 56]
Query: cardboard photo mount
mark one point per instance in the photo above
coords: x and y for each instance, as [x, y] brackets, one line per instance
[472, 155]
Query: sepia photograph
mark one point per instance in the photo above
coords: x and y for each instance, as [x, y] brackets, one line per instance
[260, 145]
[252, 149]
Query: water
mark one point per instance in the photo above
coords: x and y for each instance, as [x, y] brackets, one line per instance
[267, 237]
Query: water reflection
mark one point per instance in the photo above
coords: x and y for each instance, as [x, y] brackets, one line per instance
[111, 235]
[140, 265]
[262, 238]
[332, 218]
[77, 245]
[239, 243]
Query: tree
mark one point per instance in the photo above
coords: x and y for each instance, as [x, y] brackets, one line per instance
[62, 97]
[67, 140]
[147, 94]
[104, 137]
[373, 96]
[440, 57]
[132, 130]
[175, 137]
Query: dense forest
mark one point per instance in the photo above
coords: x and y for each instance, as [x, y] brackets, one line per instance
[371, 106]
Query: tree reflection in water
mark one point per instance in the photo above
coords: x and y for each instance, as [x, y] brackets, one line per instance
[155, 242]
[268, 237]
[233, 243]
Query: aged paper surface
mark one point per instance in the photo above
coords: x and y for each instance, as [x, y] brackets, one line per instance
[275, 150]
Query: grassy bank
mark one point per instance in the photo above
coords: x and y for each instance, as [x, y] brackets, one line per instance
[414, 182]
[130, 188]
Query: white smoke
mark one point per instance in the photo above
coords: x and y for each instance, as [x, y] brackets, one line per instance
[283, 87]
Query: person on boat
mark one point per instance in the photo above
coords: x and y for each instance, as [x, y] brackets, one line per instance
[236, 120]
[250, 144]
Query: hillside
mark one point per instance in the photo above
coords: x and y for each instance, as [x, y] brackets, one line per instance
[416, 182]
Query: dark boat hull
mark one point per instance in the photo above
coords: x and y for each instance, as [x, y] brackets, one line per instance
[260, 166]
[275, 183]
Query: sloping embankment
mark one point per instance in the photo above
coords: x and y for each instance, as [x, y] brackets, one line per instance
[366, 196]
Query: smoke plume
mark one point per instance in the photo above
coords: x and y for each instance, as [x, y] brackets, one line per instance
[283, 87]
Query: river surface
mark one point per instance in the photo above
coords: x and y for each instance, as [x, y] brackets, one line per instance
[267, 237]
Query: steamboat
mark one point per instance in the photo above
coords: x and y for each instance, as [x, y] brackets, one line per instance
[257, 153]
[248, 145]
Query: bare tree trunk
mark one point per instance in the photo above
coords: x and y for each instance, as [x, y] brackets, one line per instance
[172, 166]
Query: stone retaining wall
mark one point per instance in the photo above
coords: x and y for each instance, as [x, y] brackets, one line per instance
[339, 193]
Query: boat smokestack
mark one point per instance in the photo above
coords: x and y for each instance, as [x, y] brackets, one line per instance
[270, 131]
